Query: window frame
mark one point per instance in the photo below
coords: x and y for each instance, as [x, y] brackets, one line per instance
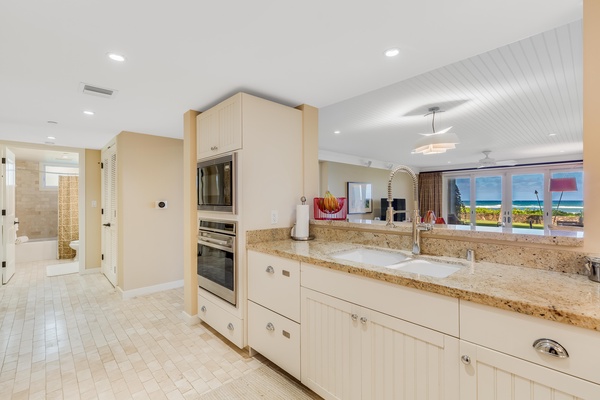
[43, 174]
[507, 173]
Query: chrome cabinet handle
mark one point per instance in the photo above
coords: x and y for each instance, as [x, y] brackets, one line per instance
[354, 317]
[270, 270]
[230, 326]
[203, 308]
[363, 320]
[466, 359]
[214, 148]
[270, 327]
[551, 348]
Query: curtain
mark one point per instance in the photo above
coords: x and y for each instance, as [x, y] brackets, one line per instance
[68, 215]
[430, 193]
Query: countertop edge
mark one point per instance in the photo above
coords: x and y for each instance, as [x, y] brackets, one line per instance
[548, 312]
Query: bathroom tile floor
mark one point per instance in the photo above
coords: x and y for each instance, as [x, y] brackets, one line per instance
[73, 337]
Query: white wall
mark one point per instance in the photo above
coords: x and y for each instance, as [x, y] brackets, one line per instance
[335, 177]
[271, 163]
[149, 168]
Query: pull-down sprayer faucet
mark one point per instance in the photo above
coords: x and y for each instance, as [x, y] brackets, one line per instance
[416, 225]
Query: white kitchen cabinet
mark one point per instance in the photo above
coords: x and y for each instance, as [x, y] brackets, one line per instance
[488, 374]
[352, 352]
[219, 130]
[274, 309]
[274, 283]
[223, 321]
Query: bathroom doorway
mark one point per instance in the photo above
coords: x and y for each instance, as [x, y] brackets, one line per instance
[47, 204]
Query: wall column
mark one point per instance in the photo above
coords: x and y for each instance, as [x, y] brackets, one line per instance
[310, 151]
[591, 123]
[190, 230]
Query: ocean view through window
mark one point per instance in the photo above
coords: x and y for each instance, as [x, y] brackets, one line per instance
[514, 198]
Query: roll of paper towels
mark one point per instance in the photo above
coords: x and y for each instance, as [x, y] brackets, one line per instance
[301, 229]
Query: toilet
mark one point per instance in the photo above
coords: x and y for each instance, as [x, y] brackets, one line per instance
[75, 246]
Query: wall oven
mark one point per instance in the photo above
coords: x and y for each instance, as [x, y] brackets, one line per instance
[215, 181]
[217, 264]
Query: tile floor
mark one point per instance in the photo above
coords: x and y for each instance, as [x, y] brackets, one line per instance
[73, 337]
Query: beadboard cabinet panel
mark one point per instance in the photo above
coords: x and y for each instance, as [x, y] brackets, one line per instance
[492, 375]
[352, 352]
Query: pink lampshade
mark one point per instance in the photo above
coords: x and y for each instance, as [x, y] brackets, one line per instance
[563, 185]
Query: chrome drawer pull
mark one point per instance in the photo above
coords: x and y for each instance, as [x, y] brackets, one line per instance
[270, 327]
[230, 326]
[363, 320]
[270, 270]
[551, 348]
[203, 309]
[354, 317]
[465, 360]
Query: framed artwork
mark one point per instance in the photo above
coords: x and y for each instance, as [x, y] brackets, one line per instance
[359, 198]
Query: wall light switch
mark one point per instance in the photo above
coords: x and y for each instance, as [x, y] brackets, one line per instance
[274, 216]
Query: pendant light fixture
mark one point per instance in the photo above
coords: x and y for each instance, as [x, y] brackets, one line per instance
[435, 142]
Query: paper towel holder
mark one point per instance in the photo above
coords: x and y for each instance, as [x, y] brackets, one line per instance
[310, 237]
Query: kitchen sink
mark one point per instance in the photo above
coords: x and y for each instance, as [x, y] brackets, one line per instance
[380, 258]
[426, 267]
[398, 261]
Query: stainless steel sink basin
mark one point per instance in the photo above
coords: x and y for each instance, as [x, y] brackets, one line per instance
[380, 258]
[426, 267]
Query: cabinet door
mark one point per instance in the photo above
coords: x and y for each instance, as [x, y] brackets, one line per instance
[330, 346]
[402, 360]
[230, 125]
[207, 133]
[488, 374]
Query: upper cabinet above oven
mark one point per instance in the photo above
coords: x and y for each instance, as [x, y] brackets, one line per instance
[219, 130]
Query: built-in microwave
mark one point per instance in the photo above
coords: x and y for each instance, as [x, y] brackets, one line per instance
[215, 181]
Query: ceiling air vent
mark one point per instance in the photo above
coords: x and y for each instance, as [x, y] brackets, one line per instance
[98, 91]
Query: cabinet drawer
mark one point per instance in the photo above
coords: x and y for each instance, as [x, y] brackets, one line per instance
[275, 337]
[430, 310]
[274, 282]
[513, 333]
[222, 321]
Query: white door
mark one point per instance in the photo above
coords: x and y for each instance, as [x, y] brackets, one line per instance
[109, 214]
[488, 374]
[7, 200]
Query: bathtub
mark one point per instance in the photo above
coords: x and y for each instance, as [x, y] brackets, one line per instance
[36, 250]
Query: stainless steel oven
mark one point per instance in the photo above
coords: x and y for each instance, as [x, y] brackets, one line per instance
[217, 264]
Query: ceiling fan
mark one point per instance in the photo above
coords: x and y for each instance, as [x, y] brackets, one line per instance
[487, 161]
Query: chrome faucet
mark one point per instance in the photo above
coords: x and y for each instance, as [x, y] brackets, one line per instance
[417, 226]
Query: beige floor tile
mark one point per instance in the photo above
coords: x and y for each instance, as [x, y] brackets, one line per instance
[73, 336]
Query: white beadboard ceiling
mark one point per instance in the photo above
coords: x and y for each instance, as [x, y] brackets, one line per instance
[191, 54]
[508, 100]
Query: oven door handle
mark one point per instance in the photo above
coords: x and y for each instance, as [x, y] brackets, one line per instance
[216, 246]
[215, 241]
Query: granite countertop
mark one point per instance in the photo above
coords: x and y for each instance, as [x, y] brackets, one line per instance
[566, 298]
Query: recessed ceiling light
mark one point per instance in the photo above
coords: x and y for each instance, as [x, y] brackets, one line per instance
[88, 112]
[337, 132]
[116, 57]
[52, 122]
[552, 134]
[392, 52]
[51, 138]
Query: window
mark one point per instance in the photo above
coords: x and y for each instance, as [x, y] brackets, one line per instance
[50, 174]
[515, 197]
